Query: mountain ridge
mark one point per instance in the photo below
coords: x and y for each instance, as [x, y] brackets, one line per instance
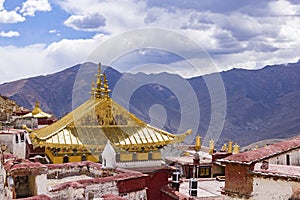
[261, 104]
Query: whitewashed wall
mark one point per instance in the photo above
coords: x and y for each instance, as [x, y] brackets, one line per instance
[282, 158]
[18, 149]
[268, 188]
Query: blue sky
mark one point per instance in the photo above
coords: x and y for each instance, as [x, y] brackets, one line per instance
[45, 36]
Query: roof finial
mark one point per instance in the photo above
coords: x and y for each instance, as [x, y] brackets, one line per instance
[211, 146]
[105, 87]
[98, 89]
[236, 148]
[198, 143]
[92, 92]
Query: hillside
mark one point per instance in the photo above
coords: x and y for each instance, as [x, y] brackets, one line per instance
[261, 104]
[7, 106]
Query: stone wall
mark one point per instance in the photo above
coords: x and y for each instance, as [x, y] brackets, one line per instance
[58, 171]
[238, 181]
[269, 188]
[119, 182]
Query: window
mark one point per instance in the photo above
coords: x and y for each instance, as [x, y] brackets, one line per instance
[83, 157]
[288, 162]
[66, 159]
[17, 138]
[22, 137]
[204, 171]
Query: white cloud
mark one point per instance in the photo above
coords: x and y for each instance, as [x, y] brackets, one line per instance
[56, 32]
[29, 7]
[53, 31]
[40, 59]
[10, 17]
[86, 22]
[120, 15]
[1, 4]
[283, 7]
[9, 34]
[238, 34]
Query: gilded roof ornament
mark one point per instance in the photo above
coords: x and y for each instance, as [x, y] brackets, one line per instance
[98, 89]
[92, 92]
[106, 89]
[100, 119]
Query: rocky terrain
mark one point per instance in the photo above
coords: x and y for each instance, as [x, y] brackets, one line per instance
[260, 104]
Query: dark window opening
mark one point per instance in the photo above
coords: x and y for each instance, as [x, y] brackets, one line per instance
[22, 137]
[66, 159]
[288, 162]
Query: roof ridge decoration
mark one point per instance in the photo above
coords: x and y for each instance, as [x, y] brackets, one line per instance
[36, 108]
[100, 119]
[102, 89]
[37, 112]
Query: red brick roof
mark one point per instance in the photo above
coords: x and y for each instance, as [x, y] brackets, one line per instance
[121, 175]
[22, 164]
[260, 154]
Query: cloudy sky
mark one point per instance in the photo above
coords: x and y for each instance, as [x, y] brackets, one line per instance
[46, 36]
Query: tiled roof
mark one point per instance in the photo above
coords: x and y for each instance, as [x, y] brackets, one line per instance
[99, 120]
[260, 154]
[23, 165]
[283, 171]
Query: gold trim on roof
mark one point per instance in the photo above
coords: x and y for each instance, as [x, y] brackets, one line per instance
[37, 112]
[100, 119]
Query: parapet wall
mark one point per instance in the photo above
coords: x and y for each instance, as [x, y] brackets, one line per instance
[127, 183]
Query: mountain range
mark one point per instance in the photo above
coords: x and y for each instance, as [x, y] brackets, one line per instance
[258, 104]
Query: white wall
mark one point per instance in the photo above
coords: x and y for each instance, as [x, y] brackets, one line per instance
[41, 184]
[135, 164]
[109, 157]
[282, 160]
[18, 149]
[268, 188]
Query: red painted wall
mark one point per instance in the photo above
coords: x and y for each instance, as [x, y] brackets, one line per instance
[237, 179]
[131, 185]
[154, 182]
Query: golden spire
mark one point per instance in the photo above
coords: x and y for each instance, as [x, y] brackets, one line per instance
[211, 146]
[98, 89]
[92, 92]
[229, 150]
[37, 108]
[105, 87]
[236, 148]
[198, 143]
[224, 148]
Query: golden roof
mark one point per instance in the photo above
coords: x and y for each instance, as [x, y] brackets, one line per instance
[37, 112]
[100, 119]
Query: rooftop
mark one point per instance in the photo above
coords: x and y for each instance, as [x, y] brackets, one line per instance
[21, 166]
[280, 171]
[100, 119]
[260, 154]
[12, 131]
[205, 158]
[209, 189]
